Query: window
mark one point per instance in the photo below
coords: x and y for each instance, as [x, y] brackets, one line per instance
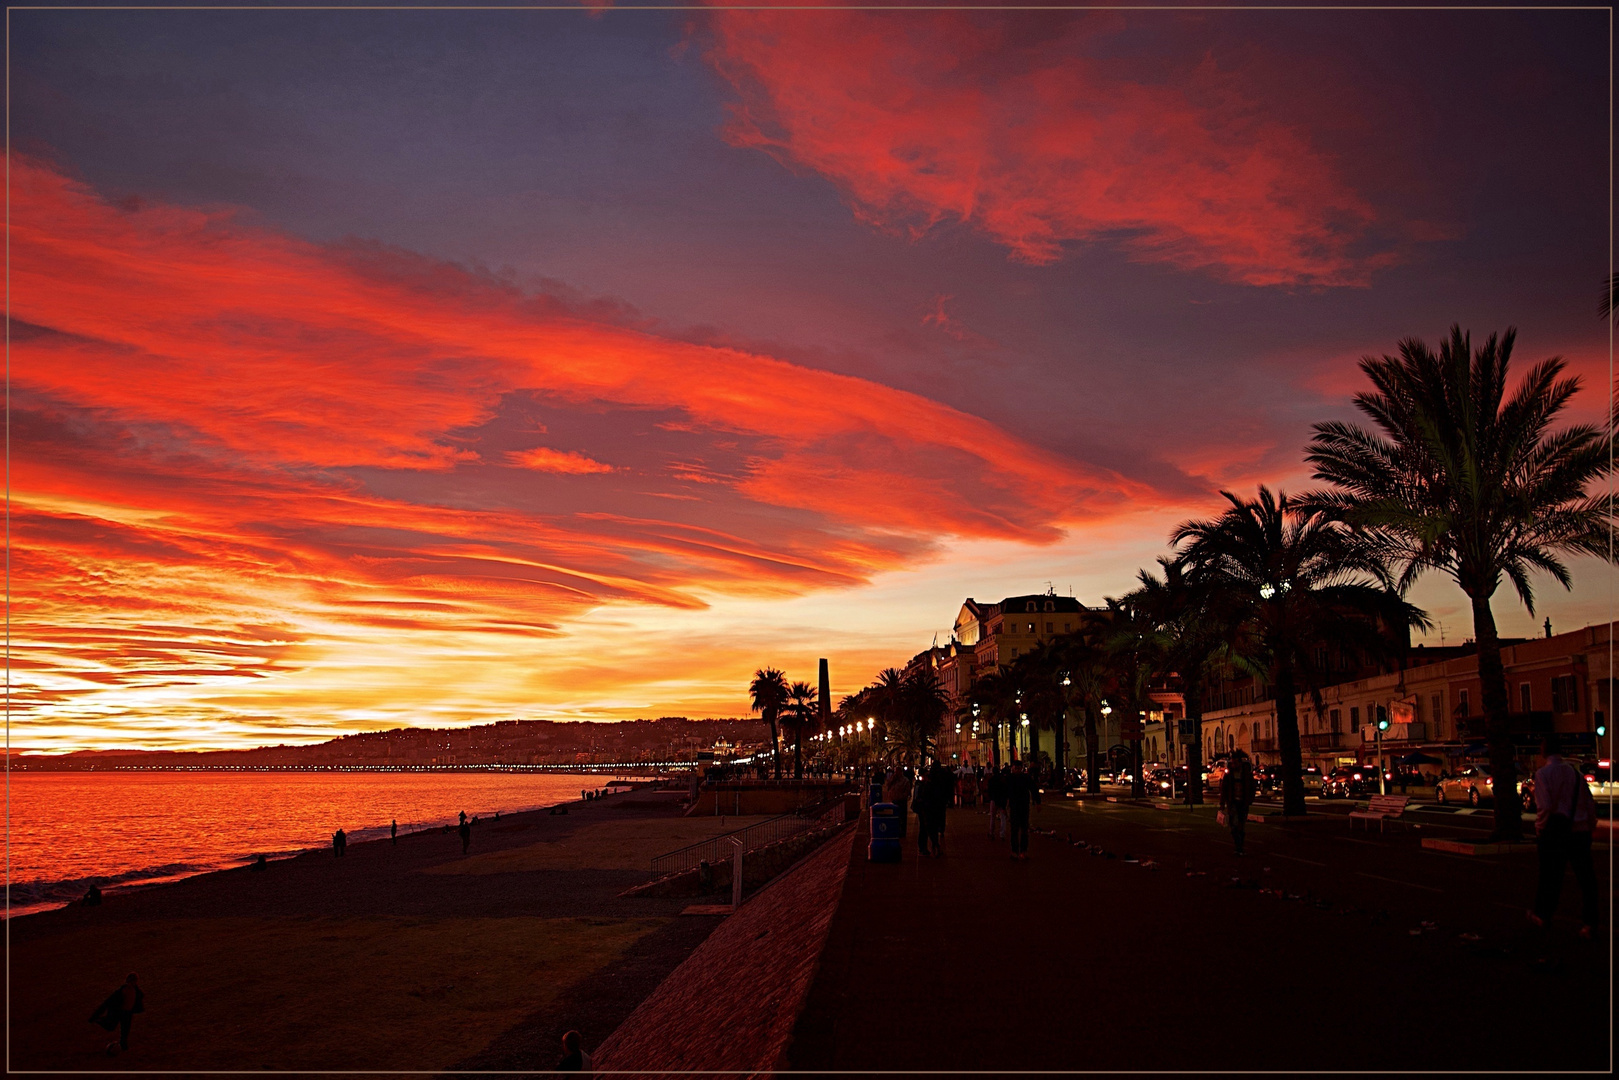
[1354, 718]
[1065, 628]
[1437, 706]
[1050, 606]
[1048, 628]
[1523, 697]
[1335, 716]
[1565, 694]
[1031, 628]
[1031, 606]
[1462, 707]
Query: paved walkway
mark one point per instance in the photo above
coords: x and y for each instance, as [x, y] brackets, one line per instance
[1299, 956]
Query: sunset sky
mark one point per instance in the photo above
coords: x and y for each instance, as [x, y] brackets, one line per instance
[372, 368]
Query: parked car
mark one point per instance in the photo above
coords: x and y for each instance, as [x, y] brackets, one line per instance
[1216, 773]
[1347, 781]
[1270, 779]
[1472, 785]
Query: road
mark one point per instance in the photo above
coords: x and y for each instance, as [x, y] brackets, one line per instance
[1321, 950]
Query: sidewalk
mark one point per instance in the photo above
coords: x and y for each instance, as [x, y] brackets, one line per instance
[1075, 960]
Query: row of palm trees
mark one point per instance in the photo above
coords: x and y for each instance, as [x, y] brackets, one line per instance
[1456, 473]
[783, 705]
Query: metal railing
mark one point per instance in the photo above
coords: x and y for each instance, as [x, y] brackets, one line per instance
[753, 837]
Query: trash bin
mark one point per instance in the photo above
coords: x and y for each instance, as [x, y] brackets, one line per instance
[887, 827]
[875, 795]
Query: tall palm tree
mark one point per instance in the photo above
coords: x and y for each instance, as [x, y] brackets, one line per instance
[1294, 578]
[1190, 634]
[1129, 644]
[1083, 676]
[800, 714]
[769, 690]
[992, 692]
[1461, 478]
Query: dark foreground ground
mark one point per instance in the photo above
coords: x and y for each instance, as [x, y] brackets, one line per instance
[1299, 957]
[395, 957]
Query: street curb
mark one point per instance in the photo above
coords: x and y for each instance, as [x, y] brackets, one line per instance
[1463, 847]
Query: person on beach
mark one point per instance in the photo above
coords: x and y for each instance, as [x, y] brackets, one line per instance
[118, 1011]
[340, 843]
[393, 831]
[466, 837]
[259, 864]
[574, 1058]
[1019, 795]
[92, 896]
[1237, 795]
[463, 817]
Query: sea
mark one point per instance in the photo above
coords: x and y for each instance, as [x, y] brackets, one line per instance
[119, 830]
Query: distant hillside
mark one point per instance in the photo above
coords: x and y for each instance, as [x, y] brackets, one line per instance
[507, 742]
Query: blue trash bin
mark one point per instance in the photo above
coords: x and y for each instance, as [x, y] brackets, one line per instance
[887, 828]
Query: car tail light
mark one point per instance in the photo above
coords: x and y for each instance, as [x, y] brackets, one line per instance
[1589, 779]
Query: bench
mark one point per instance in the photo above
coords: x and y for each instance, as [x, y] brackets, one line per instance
[1383, 808]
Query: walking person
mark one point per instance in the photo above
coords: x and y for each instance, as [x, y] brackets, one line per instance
[340, 843]
[1019, 796]
[466, 837]
[393, 830]
[997, 803]
[118, 1011]
[1237, 795]
[1565, 823]
[574, 1058]
[941, 788]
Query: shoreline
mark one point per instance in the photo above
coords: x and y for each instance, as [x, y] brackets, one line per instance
[66, 892]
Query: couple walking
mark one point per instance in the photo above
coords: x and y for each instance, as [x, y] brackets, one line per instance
[1011, 794]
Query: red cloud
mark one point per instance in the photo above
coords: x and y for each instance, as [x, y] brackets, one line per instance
[921, 117]
[247, 469]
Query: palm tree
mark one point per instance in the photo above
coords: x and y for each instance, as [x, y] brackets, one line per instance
[1128, 642]
[1293, 578]
[1190, 635]
[1083, 676]
[992, 693]
[801, 713]
[769, 690]
[1460, 478]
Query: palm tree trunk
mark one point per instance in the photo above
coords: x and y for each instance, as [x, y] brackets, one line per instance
[775, 743]
[1093, 777]
[798, 753]
[1194, 749]
[1492, 676]
[1138, 787]
[1287, 735]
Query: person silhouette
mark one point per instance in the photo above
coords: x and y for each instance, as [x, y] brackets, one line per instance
[118, 1011]
[466, 837]
[394, 831]
[259, 863]
[340, 843]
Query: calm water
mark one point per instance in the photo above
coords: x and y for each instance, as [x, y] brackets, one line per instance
[121, 829]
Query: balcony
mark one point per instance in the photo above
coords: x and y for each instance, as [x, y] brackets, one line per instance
[1262, 745]
[1322, 740]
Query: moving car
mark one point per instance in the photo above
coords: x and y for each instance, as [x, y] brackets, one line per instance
[1472, 785]
[1598, 776]
[1350, 780]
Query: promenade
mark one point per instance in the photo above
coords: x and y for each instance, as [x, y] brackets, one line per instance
[1300, 956]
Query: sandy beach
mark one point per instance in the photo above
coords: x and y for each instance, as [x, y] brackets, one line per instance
[407, 956]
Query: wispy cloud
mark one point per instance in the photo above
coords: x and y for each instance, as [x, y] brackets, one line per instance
[245, 465]
[1040, 140]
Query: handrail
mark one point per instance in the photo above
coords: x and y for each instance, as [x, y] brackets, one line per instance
[752, 837]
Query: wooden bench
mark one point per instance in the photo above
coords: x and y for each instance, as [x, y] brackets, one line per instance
[1383, 808]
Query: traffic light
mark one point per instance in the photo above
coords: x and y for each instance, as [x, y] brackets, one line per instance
[1382, 719]
[1602, 729]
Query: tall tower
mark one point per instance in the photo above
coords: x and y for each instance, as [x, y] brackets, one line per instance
[826, 697]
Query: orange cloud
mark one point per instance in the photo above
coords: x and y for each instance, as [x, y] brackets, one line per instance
[925, 117]
[543, 459]
[259, 482]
